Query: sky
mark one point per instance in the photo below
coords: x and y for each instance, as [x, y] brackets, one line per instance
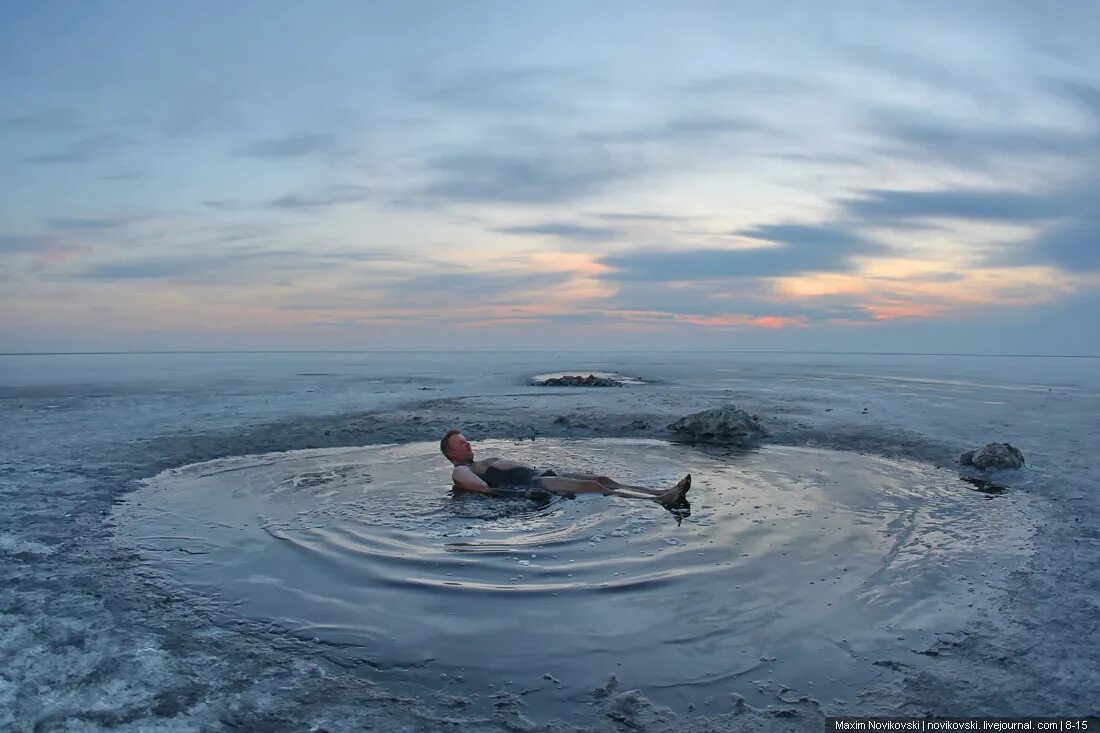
[871, 176]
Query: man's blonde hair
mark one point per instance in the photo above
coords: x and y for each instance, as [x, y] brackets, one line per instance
[443, 443]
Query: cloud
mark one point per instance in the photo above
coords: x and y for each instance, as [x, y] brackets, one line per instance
[917, 135]
[46, 120]
[223, 204]
[245, 264]
[812, 237]
[9, 244]
[1073, 243]
[703, 298]
[331, 196]
[122, 174]
[800, 248]
[152, 269]
[990, 205]
[643, 217]
[751, 83]
[169, 267]
[1074, 247]
[911, 67]
[702, 126]
[524, 90]
[554, 177]
[91, 148]
[334, 195]
[1065, 221]
[458, 288]
[564, 230]
[293, 146]
[908, 135]
[457, 296]
[681, 129]
[1084, 95]
[722, 321]
[1064, 215]
[50, 248]
[86, 223]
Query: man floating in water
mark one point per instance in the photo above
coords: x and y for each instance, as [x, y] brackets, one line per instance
[502, 477]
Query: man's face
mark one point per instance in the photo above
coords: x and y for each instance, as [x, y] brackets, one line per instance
[460, 449]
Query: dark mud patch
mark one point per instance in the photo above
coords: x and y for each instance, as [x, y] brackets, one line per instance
[984, 486]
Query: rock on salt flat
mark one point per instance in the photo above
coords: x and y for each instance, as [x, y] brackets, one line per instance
[993, 455]
[727, 425]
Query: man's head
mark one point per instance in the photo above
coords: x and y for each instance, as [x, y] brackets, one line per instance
[456, 448]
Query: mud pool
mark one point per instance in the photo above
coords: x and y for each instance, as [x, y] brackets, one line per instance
[799, 568]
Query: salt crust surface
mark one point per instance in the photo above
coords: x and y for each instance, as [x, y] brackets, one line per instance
[88, 643]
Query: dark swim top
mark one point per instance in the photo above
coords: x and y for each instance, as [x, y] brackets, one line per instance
[501, 478]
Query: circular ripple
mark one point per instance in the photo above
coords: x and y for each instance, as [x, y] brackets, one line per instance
[800, 564]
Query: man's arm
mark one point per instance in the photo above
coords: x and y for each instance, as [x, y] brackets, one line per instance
[466, 479]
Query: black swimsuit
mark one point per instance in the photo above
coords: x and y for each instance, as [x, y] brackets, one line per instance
[502, 478]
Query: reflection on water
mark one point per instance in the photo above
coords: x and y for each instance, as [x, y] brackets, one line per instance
[794, 565]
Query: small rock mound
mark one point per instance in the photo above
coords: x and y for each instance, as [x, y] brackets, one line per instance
[572, 380]
[993, 455]
[727, 425]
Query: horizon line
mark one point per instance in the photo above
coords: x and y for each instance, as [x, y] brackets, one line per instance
[540, 351]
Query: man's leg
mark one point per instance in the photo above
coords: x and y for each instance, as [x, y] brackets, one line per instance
[563, 485]
[612, 483]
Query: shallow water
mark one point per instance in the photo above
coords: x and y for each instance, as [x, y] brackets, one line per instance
[810, 565]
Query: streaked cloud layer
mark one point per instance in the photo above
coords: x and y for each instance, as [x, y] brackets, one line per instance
[843, 176]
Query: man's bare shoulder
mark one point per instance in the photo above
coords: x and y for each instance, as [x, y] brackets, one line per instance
[466, 471]
[465, 478]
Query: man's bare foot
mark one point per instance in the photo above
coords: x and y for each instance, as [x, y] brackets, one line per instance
[677, 493]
